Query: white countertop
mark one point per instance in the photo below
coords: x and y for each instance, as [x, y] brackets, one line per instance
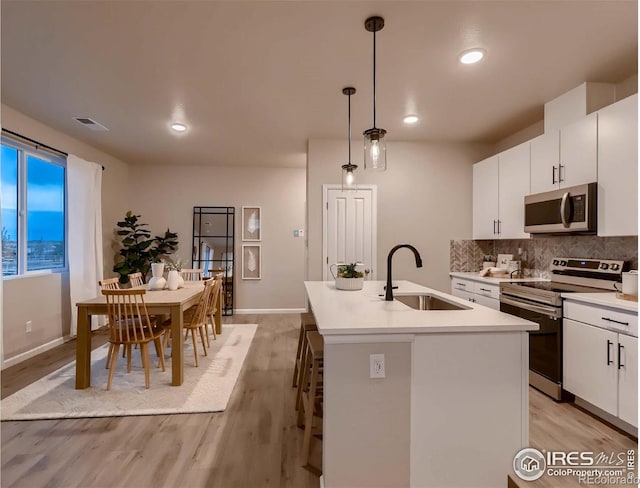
[607, 299]
[476, 277]
[340, 312]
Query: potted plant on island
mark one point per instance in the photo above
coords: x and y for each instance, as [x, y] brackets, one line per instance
[349, 278]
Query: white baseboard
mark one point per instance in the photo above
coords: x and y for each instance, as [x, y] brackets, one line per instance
[619, 423]
[245, 311]
[34, 352]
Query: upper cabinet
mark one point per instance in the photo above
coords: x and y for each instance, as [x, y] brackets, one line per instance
[513, 187]
[485, 199]
[500, 184]
[618, 168]
[566, 157]
[579, 152]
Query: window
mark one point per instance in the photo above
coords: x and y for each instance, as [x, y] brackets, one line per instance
[33, 185]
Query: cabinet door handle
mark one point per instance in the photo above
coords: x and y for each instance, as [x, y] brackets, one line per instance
[498, 226]
[484, 289]
[553, 175]
[615, 321]
[609, 344]
[560, 173]
[620, 348]
[495, 222]
[461, 284]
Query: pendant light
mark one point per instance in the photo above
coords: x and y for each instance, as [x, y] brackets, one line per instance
[348, 178]
[375, 147]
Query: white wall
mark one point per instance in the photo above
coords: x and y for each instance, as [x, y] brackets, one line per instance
[165, 196]
[424, 199]
[45, 299]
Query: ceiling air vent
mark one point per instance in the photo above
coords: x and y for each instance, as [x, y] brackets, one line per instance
[90, 123]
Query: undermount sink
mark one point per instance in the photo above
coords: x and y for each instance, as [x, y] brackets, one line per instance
[429, 302]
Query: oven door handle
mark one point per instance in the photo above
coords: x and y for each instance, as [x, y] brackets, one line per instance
[550, 311]
[563, 210]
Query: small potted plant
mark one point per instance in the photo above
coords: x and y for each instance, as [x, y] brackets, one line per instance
[349, 278]
[488, 261]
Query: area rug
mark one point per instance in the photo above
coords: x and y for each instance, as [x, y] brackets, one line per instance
[206, 388]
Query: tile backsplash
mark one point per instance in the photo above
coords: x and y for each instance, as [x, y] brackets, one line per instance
[537, 253]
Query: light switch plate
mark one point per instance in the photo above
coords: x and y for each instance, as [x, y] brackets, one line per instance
[376, 366]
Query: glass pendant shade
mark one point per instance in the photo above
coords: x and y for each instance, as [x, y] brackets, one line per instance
[348, 177]
[375, 150]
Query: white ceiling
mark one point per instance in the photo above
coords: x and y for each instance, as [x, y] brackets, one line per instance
[256, 79]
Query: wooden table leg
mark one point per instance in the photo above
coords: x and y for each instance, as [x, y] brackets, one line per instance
[219, 312]
[83, 350]
[177, 359]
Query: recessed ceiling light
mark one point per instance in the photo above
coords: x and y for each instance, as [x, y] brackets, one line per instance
[410, 119]
[471, 56]
[178, 126]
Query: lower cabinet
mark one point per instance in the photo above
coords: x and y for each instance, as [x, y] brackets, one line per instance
[601, 367]
[477, 292]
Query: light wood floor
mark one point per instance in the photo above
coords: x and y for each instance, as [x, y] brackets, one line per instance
[254, 443]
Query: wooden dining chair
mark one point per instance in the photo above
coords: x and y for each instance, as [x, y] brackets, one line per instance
[129, 323]
[195, 319]
[135, 280]
[110, 284]
[212, 307]
[192, 274]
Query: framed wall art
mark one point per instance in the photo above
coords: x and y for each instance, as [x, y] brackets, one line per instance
[251, 224]
[251, 261]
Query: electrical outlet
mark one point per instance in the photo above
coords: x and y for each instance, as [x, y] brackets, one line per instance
[376, 366]
[28, 326]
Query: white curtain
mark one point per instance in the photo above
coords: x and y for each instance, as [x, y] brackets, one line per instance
[84, 214]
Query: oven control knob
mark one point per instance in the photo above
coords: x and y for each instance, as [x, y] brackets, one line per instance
[556, 262]
[615, 267]
[563, 263]
[606, 266]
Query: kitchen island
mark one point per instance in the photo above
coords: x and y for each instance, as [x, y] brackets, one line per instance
[452, 409]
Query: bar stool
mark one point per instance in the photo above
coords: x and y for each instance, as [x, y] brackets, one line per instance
[307, 323]
[311, 406]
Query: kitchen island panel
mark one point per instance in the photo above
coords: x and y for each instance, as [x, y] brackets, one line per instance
[366, 421]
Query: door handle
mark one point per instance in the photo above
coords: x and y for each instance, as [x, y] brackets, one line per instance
[563, 210]
[560, 177]
[553, 175]
[495, 222]
[499, 226]
[609, 344]
[614, 321]
[620, 348]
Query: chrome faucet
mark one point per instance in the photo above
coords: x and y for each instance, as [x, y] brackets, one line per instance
[389, 288]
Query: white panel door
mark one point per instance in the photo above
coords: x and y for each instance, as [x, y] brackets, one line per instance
[513, 185]
[485, 199]
[350, 228]
[628, 379]
[618, 168]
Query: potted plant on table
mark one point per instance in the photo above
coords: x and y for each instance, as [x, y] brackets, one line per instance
[139, 249]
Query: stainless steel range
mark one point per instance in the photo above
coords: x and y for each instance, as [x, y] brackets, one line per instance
[541, 302]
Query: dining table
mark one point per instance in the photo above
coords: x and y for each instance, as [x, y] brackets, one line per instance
[158, 302]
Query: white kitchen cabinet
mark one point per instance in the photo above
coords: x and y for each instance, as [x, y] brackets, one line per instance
[600, 357]
[589, 364]
[579, 152]
[564, 158]
[500, 184]
[618, 168]
[485, 198]
[545, 159]
[483, 293]
[628, 379]
[514, 185]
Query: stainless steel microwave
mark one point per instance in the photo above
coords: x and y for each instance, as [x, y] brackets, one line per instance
[567, 210]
